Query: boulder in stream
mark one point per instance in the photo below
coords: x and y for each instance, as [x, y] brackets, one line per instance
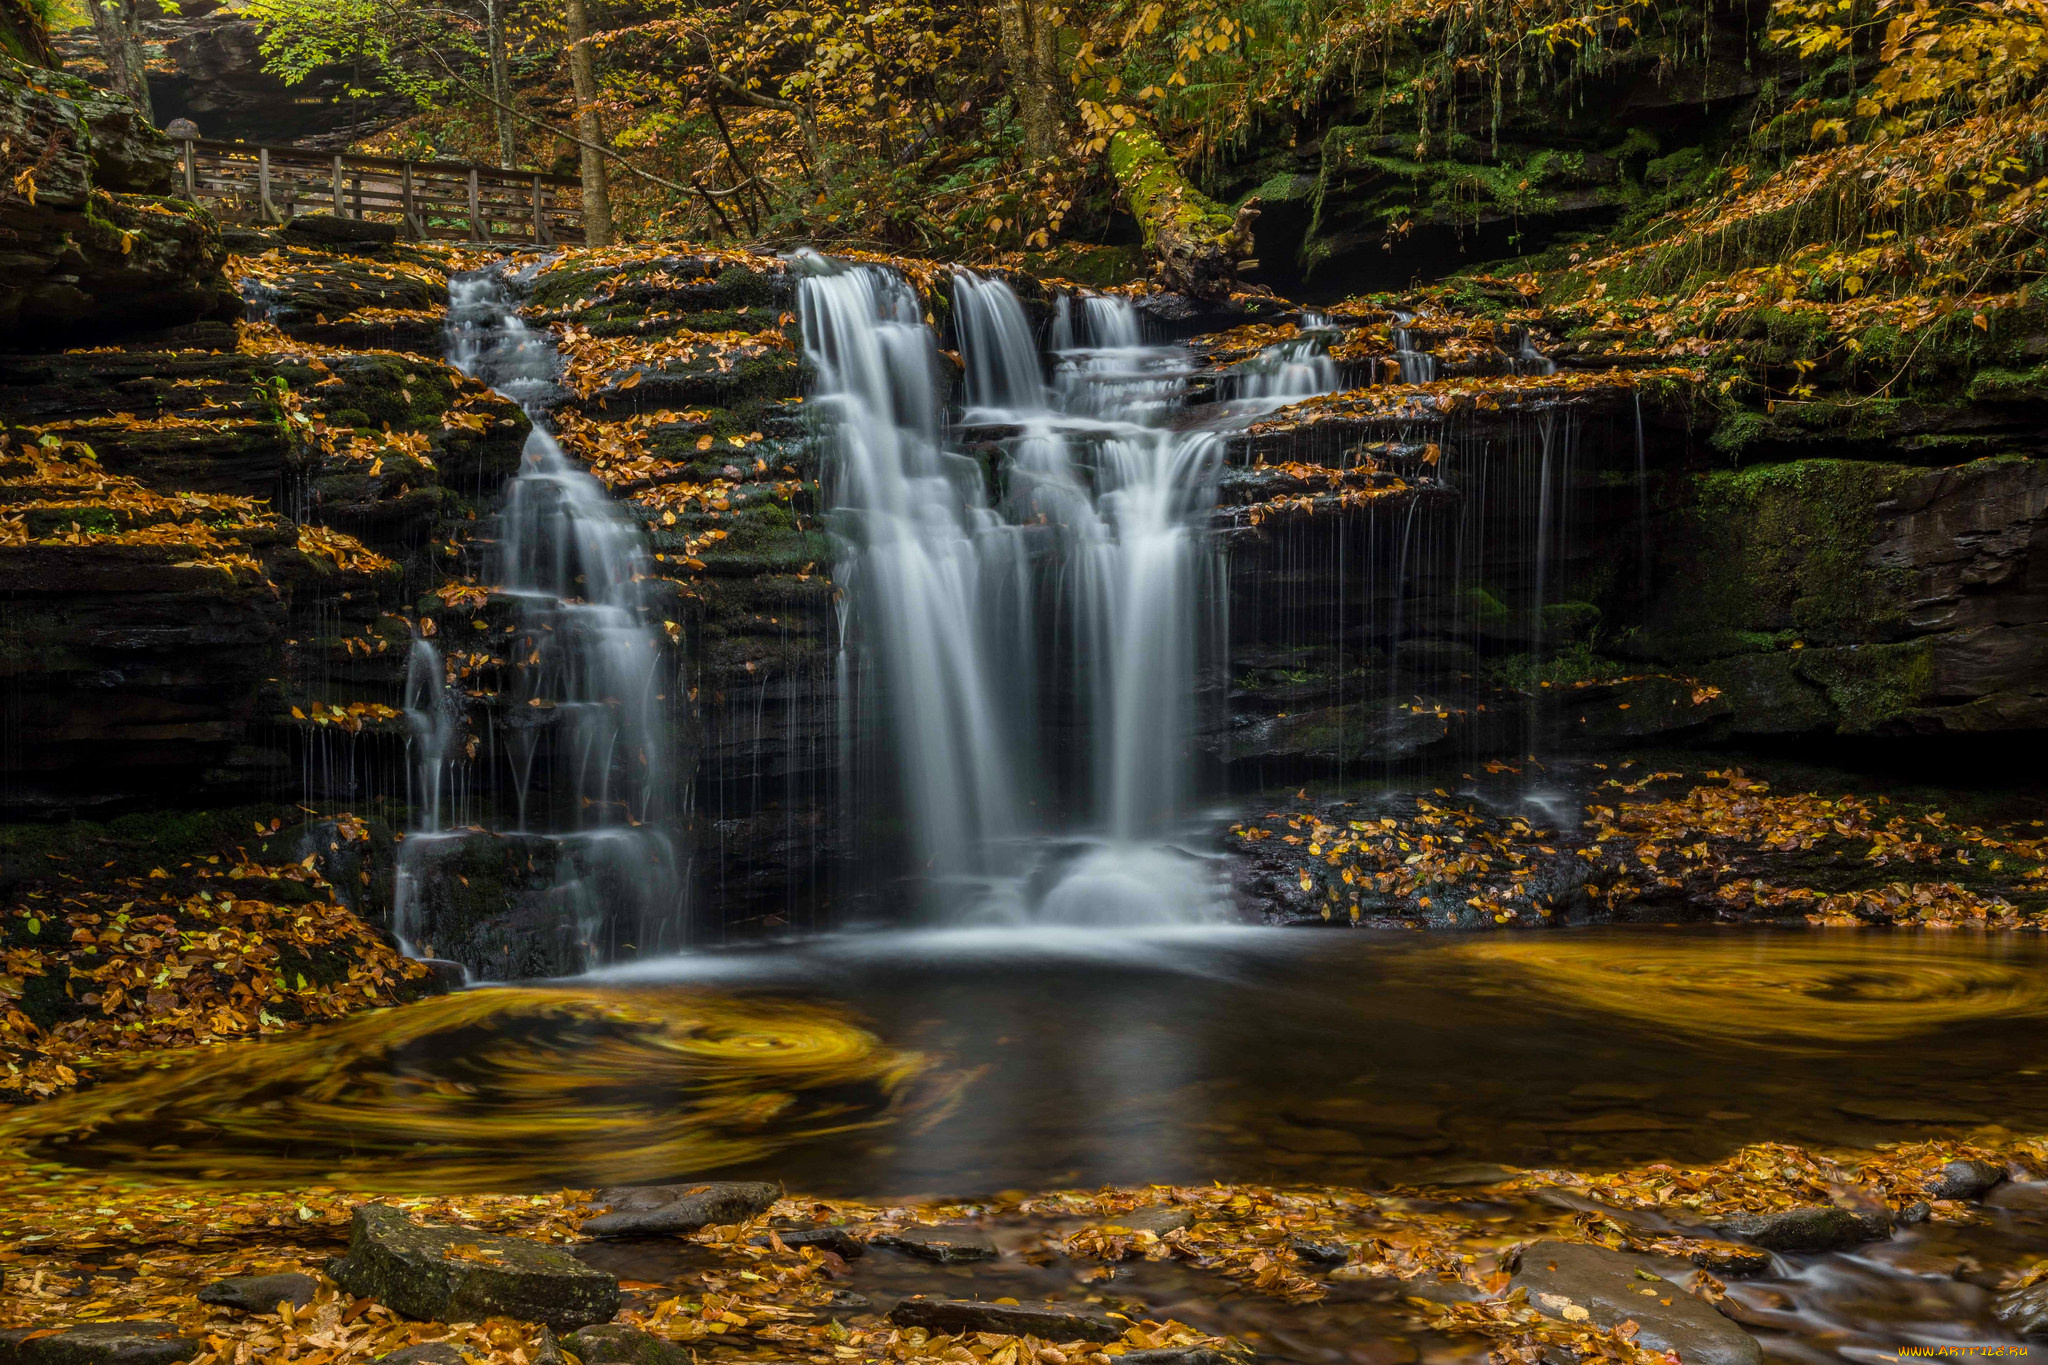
[1049, 1321]
[1820, 1227]
[1966, 1179]
[444, 1274]
[945, 1244]
[613, 1344]
[98, 1343]
[665, 1210]
[260, 1293]
[1596, 1287]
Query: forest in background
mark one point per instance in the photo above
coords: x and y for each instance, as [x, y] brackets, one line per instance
[1669, 172]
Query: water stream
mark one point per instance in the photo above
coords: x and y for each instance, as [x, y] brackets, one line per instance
[1033, 600]
[582, 722]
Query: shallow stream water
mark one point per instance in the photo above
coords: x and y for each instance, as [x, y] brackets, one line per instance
[974, 1062]
[967, 1062]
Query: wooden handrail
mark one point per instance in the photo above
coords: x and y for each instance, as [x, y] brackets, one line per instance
[378, 163]
[427, 198]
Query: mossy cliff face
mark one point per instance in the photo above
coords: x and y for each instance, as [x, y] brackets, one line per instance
[90, 238]
[1862, 597]
[1406, 171]
[222, 535]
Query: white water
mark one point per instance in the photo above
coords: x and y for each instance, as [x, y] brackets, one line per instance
[583, 718]
[1088, 585]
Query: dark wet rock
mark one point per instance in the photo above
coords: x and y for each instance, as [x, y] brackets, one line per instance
[328, 228]
[2019, 1194]
[1730, 1258]
[1966, 1179]
[1050, 1321]
[2024, 1310]
[260, 1293]
[838, 1241]
[844, 1303]
[1320, 1253]
[613, 1344]
[944, 1244]
[98, 1343]
[1176, 1355]
[1817, 1228]
[1352, 733]
[98, 246]
[426, 1353]
[1430, 1289]
[445, 1274]
[1157, 1219]
[664, 1210]
[1566, 1280]
[443, 974]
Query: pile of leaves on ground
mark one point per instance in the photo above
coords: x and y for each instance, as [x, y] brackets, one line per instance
[164, 932]
[1729, 846]
[83, 1246]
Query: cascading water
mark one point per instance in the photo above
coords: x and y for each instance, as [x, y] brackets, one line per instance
[1417, 366]
[581, 727]
[1075, 612]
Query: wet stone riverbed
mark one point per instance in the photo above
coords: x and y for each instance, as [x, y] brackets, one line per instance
[976, 1066]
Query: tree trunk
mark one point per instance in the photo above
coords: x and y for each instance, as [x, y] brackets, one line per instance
[1029, 42]
[501, 83]
[1195, 242]
[115, 25]
[597, 194]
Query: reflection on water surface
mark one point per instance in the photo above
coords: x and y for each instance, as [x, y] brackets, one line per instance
[904, 1064]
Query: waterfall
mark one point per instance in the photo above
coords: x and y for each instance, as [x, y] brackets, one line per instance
[581, 722]
[1417, 366]
[433, 718]
[1033, 630]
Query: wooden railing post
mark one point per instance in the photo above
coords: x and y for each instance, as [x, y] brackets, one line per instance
[412, 224]
[539, 232]
[340, 206]
[477, 230]
[191, 172]
[264, 209]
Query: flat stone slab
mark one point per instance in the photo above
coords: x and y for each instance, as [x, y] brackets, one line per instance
[98, 1343]
[426, 1353]
[1049, 1321]
[670, 1210]
[449, 1274]
[1591, 1285]
[1157, 1219]
[945, 1244]
[838, 1241]
[260, 1293]
[1175, 1355]
[613, 1344]
[326, 227]
[1822, 1227]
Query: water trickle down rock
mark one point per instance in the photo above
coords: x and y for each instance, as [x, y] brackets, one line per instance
[582, 868]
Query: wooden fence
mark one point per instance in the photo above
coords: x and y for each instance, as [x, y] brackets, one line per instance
[445, 199]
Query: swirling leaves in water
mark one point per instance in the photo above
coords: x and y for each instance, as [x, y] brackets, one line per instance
[1821, 993]
[496, 1089]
